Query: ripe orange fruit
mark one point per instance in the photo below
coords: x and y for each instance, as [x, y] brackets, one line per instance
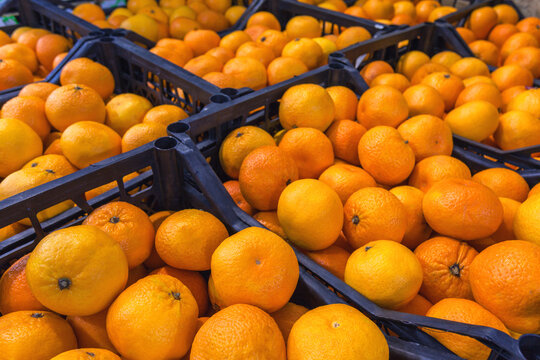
[333, 259]
[344, 136]
[21, 53]
[287, 316]
[200, 41]
[256, 267]
[467, 34]
[423, 99]
[181, 26]
[530, 25]
[346, 179]
[510, 269]
[89, 12]
[222, 54]
[445, 265]
[382, 105]
[264, 173]
[234, 13]
[13, 73]
[374, 69]
[310, 222]
[264, 18]
[345, 102]
[506, 14]
[419, 305]
[274, 39]
[397, 81]
[187, 239]
[306, 105]
[154, 261]
[410, 62]
[527, 57]
[465, 311]
[306, 50]
[436, 168]
[157, 302]
[203, 65]
[336, 331]
[141, 134]
[89, 290]
[526, 220]
[440, 12]
[30, 110]
[427, 136]
[55, 164]
[129, 226]
[379, 9]
[378, 152]
[19, 145]
[233, 188]
[143, 25]
[91, 330]
[482, 20]
[500, 33]
[506, 229]
[352, 35]
[385, 272]
[486, 121]
[508, 76]
[90, 73]
[87, 142]
[48, 47]
[417, 230]
[87, 353]
[446, 58]
[448, 85]
[36, 335]
[58, 59]
[515, 42]
[284, 68]
[480, 79]
[74, 103]
[237, 332]
[310, 149]
[220, 80]
[212, 20]
[15, 293]
[373, 213]
[485, 51]
[504, 182]
[164, 114]
[468, 67]
[233, 40]
[528, 101]
[194, 281]
[269, 220]
[480, 91]
[425, 70]
[517, 129]
[462, 209]
[126, 110]
[303, 26]
[41, 90]
[248, 72]
[256, 51]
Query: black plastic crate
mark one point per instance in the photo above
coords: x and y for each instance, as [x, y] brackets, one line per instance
[179, 178]
[261, 109]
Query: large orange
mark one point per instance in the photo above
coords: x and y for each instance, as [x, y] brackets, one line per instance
[13, 73]
[143, 25]
[485, 115]
[468, 67]
[264, 174]
[466, 34]
[303, 26]
[233, 40]
[287, 316]
[87, 354]
[336, 331]
[410, 62]
[530, 25]
[485, 51]
[48, 47]
[345, 135]
[187, 239]
[395, 80]
[424, 8]
[19, 144]
[351, 36]
[203, 65]
[448, 85]
[306, 50]
[256, 267]
[274, 39]
[238, 332]
[385, 272]
[264, 18]
[346, 179]
[500, 33]
[374, 69]
[371, 214]
[142, 134]
[385, 155]
[423, 99]
[158, 302]
[508, 76]
[506, 14]
[247, 71]
[526, 220]
[528, 101]
[91, 330]
[527, 57]
[30, 110]
[515, 42]
[504, 182]
[256, 51]
[181, 26]
[425, 70]
[41, 90]
[221, 54]
[164, 114]
[284, 68]
[517, 129]
[482, 20]
[436, 168]
[465, 311]
[480, 91]
[345, 102]
[37, 335]
[462, 209]
[89, 12]
[333, 259]
[382, 105]
[427, 136]
[90, 73]
[71, 279]
[306, 105]
[510, 270]
[311, 214]
[417, 229]
[21, 53]
[126, 110]
[446, 58]
[310, 149]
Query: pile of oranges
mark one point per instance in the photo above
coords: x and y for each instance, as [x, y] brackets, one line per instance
[375, 197]
[131, 284]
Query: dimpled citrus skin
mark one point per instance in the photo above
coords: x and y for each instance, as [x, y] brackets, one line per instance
[87, 354]
[526, 221]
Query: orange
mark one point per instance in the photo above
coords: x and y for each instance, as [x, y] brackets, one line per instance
[336, 331]
[382, 105]
[312, 222]
[141, 134]
[200, 41]
[270, 221]
[212, 20]
[89, 12]
[333, 259]
[485, 51]
[436, 168]
[203, 65]
[530, 25]
[506, 230]
[30, 110]
[440, 12]
[171, 55]
[284, 68]
[504, 182]
[113, 21]
[446, 58]
[351, 36]
[181, 26]
[445, 266]
[19, 31]
[247, 71]
[164, 115]
[19, 144]
[346, 179]
[255, 267]
[48, 47]
[157, 302]
[218, 5]
[178, 46]
[55, 164]
[385, 272]
[303, 26]
[462, 209]
[87, 353]
[264, 18]
[220, 79]
[465, 311]
[535, 190]
[31, 37]
[397, 81]
[305, 49]
[310, 149]
[73, 103]
[410, 62]
[510, 269]
[233, 40]
[234, 13]
[417, 230]
[274, 39]
[500, 33]
[385, 155]
[143, 25]
[467, 34]
[233, 188]
[238, 332]
[506, 14]
[517, 129]
[221, 54]
[508, 76]
[35, 335]
[374, 69]
[4, 38]
[509, 94]
[8, 231]
[468, 67]
[482, 20]
[91, 330]
[424, 8]
[528, 101]
[20, 53]
[238, 144]
[526, 220]
[135, 5]
[486, 120]
[306, 105]
[126, 110]
[425, 70]
[344, 136]
[287, 316]
[264, 174]
[527, 57]
[480, 79]
[154, 261]
[52, 268]
[480, 91]
[58, 59]
[256, 31]
[423, 99]
[345, 102]
[513, 43]
[448, 85]
[379, 9]
[419, 305]
[87, 142]
[373, 213]
[15, 293]
[187, 239]
[41, 90]
[194, 281]
[256, 51]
